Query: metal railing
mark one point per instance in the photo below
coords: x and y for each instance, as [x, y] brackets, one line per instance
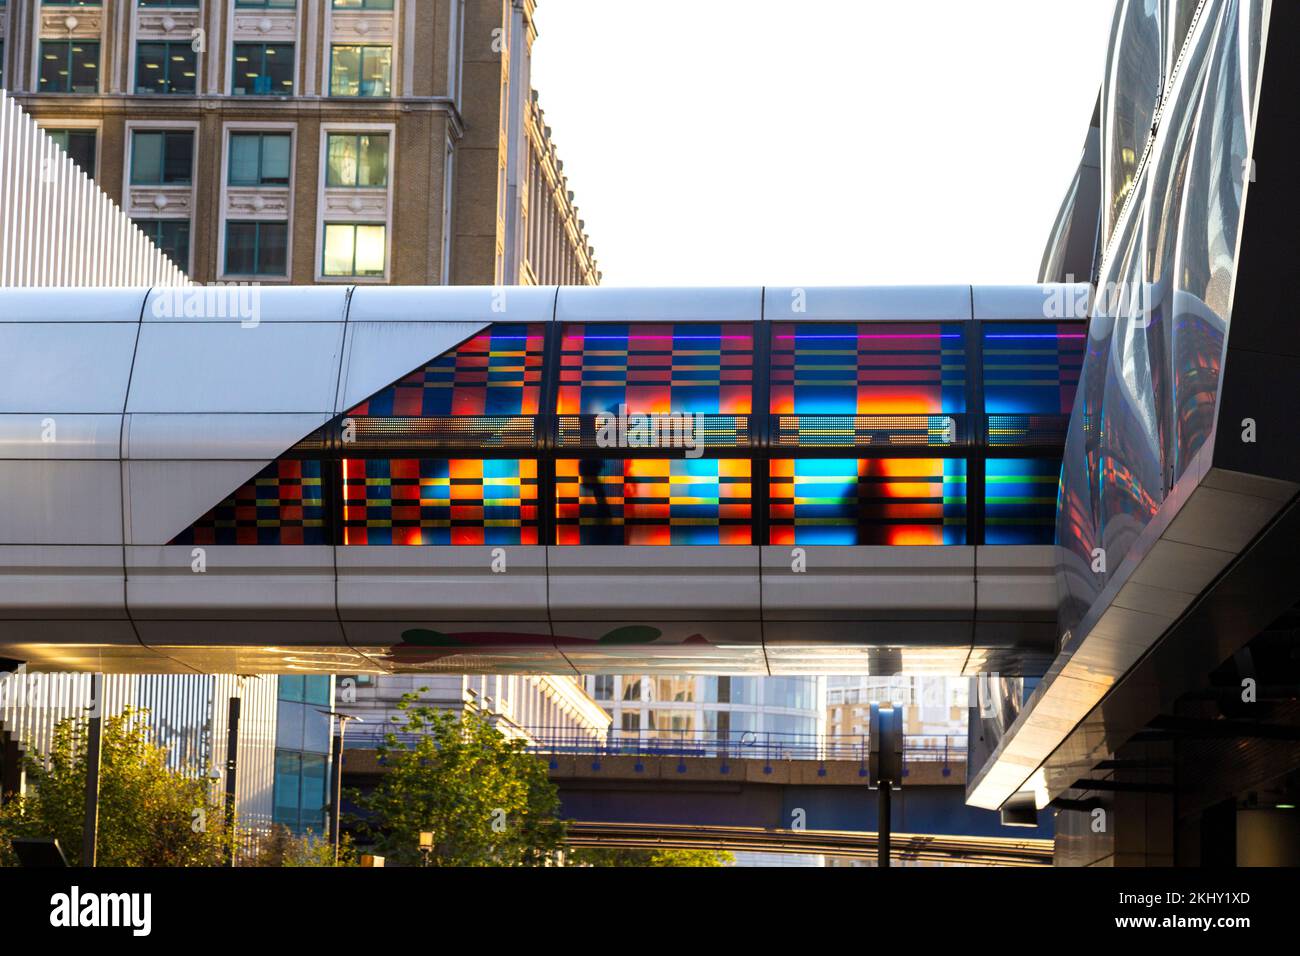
[736, 745]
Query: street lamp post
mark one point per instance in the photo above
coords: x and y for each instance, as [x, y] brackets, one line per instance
[336, 817]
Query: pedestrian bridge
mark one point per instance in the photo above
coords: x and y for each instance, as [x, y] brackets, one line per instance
[572, 480]
[746, 791]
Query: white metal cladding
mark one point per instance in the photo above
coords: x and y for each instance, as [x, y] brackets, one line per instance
[216, 386]
[188, 715]
[59, 228]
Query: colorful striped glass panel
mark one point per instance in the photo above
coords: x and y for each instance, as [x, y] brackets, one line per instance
[1032, 367]
[653, 501]
[281, 505]
[868, 501]
[496, 372]
[699, 367]
[867, 368]
[417, 501]
[1020, 500]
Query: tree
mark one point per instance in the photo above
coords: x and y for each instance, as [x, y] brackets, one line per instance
[282, 848]
[627, 856]
[485, 799]
[149, 814]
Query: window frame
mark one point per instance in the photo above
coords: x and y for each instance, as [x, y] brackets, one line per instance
[184, 266]
[258, 274]
[168, 44]
[234, 127]
[354, 225]
[262, 44]
[357, 134]
[69, 43]
[60, 124]
[261, 134]
[331, 211]
[362, 47]
[133, 129]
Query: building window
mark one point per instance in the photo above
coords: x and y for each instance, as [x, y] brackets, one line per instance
[361, 70]
[300, 786]
[69, 66]
[442, 501]
[603, 687]
[262, 69]
[267, 4]
[355, 249]
[172, 236]
[305, 688]
[257, 248]
[167, 3]
[79, 144]
[281, 504]
[162, 157]
[357, 160]
[165, 68]
[363, 4]
[260, 159]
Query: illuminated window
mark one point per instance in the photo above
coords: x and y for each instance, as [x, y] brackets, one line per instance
[683, 367]
[162, 157]
[262, 69]
[164, 67]
[496, 372]
[281, 505]
[357, 70]
[867, 368]
[653, 501]
[868, 501]
[355, 249]
[867, 384]
[1032, 367]
[1020, 500]
[257, 248]
[172, 236]
[79, 144]
[695, 380]
[357, 160]
[260, 159]
[69, 66]
[439, 501]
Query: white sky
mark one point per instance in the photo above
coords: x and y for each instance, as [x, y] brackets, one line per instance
[855, 142]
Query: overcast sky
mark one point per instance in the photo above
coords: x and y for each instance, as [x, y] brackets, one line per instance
[729, 142]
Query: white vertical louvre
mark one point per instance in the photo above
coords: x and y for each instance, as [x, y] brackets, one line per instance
[57, 228]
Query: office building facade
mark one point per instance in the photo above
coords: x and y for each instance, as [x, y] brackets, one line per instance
[737, 709]
[287, 141]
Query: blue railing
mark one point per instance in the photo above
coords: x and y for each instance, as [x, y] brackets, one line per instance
[759, 745]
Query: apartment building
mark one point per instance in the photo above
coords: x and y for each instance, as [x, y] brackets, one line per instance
[309, 141]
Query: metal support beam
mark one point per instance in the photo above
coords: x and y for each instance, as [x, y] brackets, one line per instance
[232, 774]
[94, 751]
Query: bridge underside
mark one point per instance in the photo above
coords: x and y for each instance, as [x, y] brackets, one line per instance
[954, 610]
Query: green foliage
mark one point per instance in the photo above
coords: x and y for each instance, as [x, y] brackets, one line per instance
[149, 814]
[622, 856]
[282, 848]
[486, 801]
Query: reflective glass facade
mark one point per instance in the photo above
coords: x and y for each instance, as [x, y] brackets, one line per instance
[302, 753]
[1149, 385]
[688, 433]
